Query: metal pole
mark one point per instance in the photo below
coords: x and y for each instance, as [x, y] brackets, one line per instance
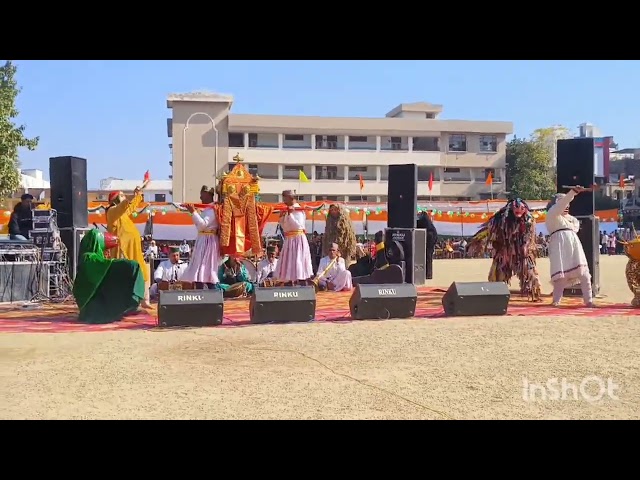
[184, 150]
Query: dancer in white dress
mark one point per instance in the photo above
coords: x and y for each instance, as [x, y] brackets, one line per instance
[566, 255]
[205, 259]
[332, 272]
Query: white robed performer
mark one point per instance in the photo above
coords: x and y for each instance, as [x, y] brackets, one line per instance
[171, 270]
[294, 264]
[566, 255]
[332, 271]
[205, 258]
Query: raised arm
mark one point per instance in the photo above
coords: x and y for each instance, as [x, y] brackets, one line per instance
[203, 221]
[561, 204]
[117, 211]
[134, 203]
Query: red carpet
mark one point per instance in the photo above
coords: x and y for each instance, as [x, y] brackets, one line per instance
[331, 307]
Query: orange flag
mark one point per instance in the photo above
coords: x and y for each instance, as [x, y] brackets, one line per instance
[431, 181]
[489, 180]
[621, 183]
[361, 182]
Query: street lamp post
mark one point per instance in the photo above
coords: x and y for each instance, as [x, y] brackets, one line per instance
[184, 150]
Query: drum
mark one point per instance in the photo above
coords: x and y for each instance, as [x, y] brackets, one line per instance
[251, 270]
[234, 291]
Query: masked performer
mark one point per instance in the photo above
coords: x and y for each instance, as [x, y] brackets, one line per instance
[234, 278]
[119, 223]
[339, 229]
[512, 232]
[205, 259]
[332, 272]
[424, 221]
[104, 289]
[566, 255]
[294, 264]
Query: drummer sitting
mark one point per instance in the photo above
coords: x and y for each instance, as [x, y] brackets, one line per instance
[168, 271]
[267, 266]
[234, 279]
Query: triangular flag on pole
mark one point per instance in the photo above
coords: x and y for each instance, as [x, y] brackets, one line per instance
[489, 180]
[431, 181]
[303, 178]
[361, 181]
[621, 182]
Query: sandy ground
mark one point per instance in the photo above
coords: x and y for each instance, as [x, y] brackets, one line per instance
[465, 368]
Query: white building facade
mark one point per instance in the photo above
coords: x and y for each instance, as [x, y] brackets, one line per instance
[334, 153]
[156, 190]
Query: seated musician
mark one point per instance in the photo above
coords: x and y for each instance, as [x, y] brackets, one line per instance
[332, 272]
[365, 264]
[21, 221]
[234, 279]
[168, 271]
[267, 266]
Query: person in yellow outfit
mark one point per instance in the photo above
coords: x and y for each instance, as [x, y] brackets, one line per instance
[119, 223]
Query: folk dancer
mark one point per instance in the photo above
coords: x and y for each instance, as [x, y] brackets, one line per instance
[205, 259]
[234, 278]
[105, 289]
[332, 272]
[119, 223]
[339, 229]
[566, 255]
[267, 266]
[294, 264]
[511, 232]
[170, 271]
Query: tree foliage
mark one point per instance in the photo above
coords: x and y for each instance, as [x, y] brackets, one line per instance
[12, 136]
[530, 169]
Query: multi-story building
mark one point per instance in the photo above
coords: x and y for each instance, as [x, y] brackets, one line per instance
[334, 153]
[156, 190]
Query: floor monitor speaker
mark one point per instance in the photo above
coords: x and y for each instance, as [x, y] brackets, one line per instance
[190, 308]
[383, 301]
[282, 305]
[473, 299]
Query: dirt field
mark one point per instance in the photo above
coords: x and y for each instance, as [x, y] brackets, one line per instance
[466, 368]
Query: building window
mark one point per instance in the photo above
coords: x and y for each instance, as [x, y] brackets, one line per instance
[488, 143]
[253, 140]
[329, 198]
[396, 143]
[294, 138]
[426, 144]
[160, 197]
[236, 140]
[292, 172]
[327, 142]
[327, 173]
[457, 143]
[358, 139]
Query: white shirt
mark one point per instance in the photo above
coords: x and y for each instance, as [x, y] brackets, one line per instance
[265, 267]
[152, 251]
[185, 248]
[168, 271]
[337, 267]
[206, 220]
[296, 220]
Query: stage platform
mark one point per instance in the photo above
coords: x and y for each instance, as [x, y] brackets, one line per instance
[331, 307]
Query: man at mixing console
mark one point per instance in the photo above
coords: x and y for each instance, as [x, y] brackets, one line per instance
[21, 221]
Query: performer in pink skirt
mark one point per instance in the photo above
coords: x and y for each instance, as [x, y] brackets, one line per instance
[294, 264]
[205, 258]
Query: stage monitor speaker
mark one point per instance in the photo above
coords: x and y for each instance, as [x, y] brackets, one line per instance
[383, 301]
[68, 177]
[589, 235]
[282, 305]
[71, 237]
[21, 281]
[576, 166]
[402, 199]
[471, 299]
[190, 308]
[408, 245]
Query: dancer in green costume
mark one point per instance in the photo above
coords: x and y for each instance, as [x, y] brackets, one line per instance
[104, 289]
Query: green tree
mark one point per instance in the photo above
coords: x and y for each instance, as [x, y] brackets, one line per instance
[12, 136]
[530, 169]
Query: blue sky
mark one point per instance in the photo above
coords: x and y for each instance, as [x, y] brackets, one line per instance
[114, 112]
